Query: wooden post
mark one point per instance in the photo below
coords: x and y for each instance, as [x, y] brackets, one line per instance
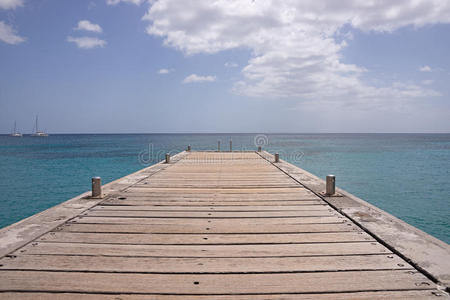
[167, 158]
[96, 187]
[259, 148]
[277, 157]
[189, 148]
[231, 145]
[331, 185]
[218, 146]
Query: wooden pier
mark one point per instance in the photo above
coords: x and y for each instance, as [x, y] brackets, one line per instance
[219, 225]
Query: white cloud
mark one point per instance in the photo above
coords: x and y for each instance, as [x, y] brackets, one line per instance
[86, 42]
[9, 35]
[115, 2]
[10, 4]
[196, 78]
[231, 65]
[165, 71]
[294, 44]
[425, 69]
[88, 26]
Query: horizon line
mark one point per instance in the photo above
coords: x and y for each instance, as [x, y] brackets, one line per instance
[223, 133]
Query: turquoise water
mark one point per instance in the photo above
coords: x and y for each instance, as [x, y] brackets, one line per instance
[407, 175]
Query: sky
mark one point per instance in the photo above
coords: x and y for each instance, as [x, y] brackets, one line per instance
[171, 66]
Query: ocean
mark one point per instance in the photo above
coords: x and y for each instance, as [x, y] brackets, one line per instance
[407, 175]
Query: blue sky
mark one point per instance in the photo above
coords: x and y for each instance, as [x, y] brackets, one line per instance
[225, 66]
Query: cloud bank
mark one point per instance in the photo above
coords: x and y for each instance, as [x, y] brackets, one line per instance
[296, 46]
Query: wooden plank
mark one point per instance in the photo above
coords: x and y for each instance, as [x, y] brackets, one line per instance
[299, 190]
[392, 295]
[235, 196]
[189, 239]
[208, 214]
[233, 182]
[215, 203]
[218, 197]
[254, 208]
[242, 196]
[213, 284]
[212, 196]
[205, 196]
[210, 178]
[217, 185]
[203, 265]
[161, 191]
[205, 250]
[205, 221]
[189, 228]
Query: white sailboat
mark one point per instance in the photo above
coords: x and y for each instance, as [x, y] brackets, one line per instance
[37, 132]
[15, 133]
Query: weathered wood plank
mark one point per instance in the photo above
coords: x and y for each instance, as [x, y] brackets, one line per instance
[255, 208]
[184, 193]
[298, 190]
[189, 228]
[209, 178]
[180, 239]
[203, 265]
[212, 185]
[208, 214]
[234, 182]
[394, 295]
[215, 203]
[212, 284]
[206, 250]
[209, 222]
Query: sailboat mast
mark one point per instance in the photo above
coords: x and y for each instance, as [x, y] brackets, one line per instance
[15, 129]
[38, 132]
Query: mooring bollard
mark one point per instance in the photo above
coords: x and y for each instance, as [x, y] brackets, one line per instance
[331, 185]
[259, 148]
[189, 148]
[96, 187]
[277, 157]
[218, 146]
[167, 158]
[231, 145]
